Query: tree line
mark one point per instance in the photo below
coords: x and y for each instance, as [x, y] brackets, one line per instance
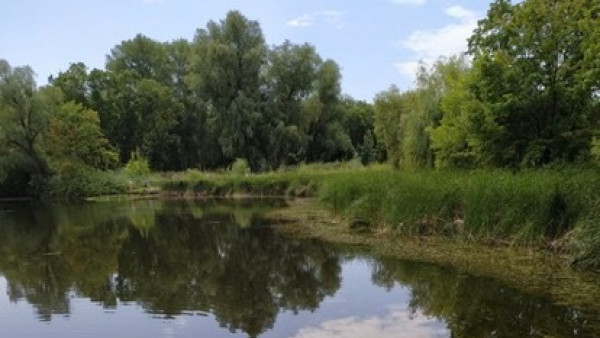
[526, 94]
[184, 104]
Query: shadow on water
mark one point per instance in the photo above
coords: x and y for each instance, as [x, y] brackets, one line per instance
[220, 258]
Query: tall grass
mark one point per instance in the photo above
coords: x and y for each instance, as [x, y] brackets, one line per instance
[523, 208]
[300, 181]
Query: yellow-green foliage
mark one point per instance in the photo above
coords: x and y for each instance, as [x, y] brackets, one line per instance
[240, 167]
[137, 166]
[302, 180]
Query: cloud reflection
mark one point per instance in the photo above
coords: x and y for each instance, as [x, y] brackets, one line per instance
[396, 323]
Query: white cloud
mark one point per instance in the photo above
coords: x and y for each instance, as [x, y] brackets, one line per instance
[410, 2]
[396, 323]
[428, 45]
[333, 18]
[461, 13]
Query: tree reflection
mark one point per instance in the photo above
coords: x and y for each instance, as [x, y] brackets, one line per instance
[180, 257]
[170, 257]
[481, 307]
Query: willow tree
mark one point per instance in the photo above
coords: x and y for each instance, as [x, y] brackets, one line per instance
[225, 68]
[328, 139]
[24, 114]
[289, 80]
[390, 108]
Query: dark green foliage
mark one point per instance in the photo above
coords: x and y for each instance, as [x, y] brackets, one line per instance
[225, 95]
[83, 182]
[15, 183]
[368, 152]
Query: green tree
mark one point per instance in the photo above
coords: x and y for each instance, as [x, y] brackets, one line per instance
[24, 114]
[328, 140]
[141, 56]
[368, 151]
[290, 76]
[390, 107]
[359, 117]
[535, 107]
[73, 83]
[138, 102]
[225, 67]
[74, 137]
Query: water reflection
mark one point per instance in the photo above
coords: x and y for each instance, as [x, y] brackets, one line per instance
[219, 259]
[481, 307]
[169, 257]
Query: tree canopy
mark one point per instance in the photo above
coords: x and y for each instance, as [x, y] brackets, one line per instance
[526, 94]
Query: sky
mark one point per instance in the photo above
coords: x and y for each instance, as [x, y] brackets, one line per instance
[377, 43]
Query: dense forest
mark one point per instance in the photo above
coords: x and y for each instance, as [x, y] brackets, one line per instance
[526, 94]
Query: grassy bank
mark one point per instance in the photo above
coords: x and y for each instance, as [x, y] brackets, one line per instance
[302, 181]
[557, 210]
[554, 209]
[532, 271]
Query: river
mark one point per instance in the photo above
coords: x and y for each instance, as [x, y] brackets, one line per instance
[166, 268]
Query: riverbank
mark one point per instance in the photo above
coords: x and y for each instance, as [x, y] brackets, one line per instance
[302, 181]
[528, 269]
[557, 211]
[549, 210]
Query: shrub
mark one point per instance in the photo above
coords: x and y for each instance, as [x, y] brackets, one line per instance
[138, 166]
[240, 167]
[84, 182]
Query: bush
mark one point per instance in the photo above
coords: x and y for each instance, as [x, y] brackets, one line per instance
[85, 182]
[138, 166]
[240, 167]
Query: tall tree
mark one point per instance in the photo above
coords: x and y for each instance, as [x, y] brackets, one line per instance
[328, 140]
[138, 102]
[143, 57]
[290, 78]
[225, 73]
[24, 114]
[73, 83]
[529, 59]
[390, 107]
[359, 117]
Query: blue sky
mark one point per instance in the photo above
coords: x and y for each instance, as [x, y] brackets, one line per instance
[376, 42]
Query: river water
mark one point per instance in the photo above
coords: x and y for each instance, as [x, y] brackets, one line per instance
[217, 269]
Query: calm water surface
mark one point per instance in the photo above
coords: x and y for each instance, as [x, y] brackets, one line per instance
[216, 269]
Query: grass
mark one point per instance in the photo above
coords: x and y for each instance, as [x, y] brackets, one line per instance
[523, 208]
[547, 208]
[301, 181]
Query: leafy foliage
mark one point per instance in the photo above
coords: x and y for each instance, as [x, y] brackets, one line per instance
[240, 167]
[74, 137]
[138, 166]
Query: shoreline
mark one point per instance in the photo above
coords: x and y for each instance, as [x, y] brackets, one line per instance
[528, 269]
